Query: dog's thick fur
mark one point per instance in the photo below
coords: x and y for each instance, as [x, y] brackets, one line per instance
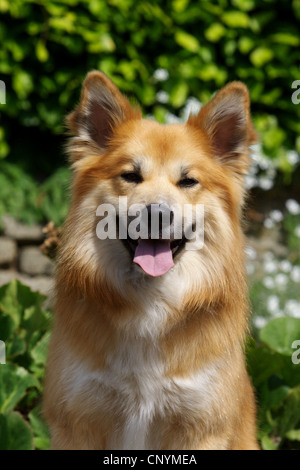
[141, 362]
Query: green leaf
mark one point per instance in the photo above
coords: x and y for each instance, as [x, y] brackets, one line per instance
[41, 443]
[178, 94]
[15, 433]
[293, 435]
[267, 443]
[41, 51]
[15, 298]
[236, 19]
[6, 327]
[276, 397]
[286, 38]
[14, 382]
[22, 84]
[262, 364]
[40, 350]
[289, 419]
[35, 320]
[261, 55]
[215, 32]
[15, 346]
[280, 333]
[40, 429]
[187, 41]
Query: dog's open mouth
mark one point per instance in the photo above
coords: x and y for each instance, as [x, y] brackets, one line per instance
[155, 257]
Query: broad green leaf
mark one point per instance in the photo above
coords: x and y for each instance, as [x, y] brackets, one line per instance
[14, 382]
[15, 298]
[41, 443]
[39, 352]
[35, 320]
[290, 372]
[276, 397]
[289, 418]
[40, 429]
[293, 435]
[15, 346]
[280, 333]
[15, 433]
[262, 364]
[6, 327]
[268, 443]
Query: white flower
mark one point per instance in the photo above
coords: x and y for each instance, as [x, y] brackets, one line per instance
[297, 231]
[281, 280]
[293, 206]
[295, 274]
[276, 215]
[273, 304]
[269, 282]
[192, 106]
[172, 119]
[292, 308]
[265, 183]
[260, 321]
[292, 157]
[251, 181]
[270, 266]
[162, 96]
[161, 75]
[285, 266]
[269, 223]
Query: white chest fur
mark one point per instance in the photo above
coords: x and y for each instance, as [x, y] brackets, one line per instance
[135, 374]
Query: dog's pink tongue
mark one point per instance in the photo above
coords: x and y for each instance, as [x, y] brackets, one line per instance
[154, 257]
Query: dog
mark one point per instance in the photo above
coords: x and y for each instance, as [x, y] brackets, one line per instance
[147, 347]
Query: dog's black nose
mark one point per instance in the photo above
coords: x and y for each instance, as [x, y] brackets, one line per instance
[159, 220]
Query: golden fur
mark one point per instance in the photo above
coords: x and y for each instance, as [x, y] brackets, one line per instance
[137, 361]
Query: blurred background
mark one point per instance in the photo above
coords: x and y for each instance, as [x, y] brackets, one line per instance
[171, 56]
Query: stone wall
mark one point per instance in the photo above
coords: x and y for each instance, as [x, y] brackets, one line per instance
[21, 257]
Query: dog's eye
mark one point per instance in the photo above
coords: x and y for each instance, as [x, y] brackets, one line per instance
[132, 177]
[187, 182]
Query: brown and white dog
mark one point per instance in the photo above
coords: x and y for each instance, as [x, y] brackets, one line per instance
[147, 345]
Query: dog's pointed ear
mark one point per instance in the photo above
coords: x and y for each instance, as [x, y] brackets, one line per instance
[227, 123]
[102, 107]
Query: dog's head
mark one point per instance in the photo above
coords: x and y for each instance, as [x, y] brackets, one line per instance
[156, 200]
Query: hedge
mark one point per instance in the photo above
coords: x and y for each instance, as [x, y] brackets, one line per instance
[182, 48]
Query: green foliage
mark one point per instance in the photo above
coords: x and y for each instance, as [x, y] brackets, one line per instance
[24, 327]
[48, 47]
[274, 366]
[23, 198]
